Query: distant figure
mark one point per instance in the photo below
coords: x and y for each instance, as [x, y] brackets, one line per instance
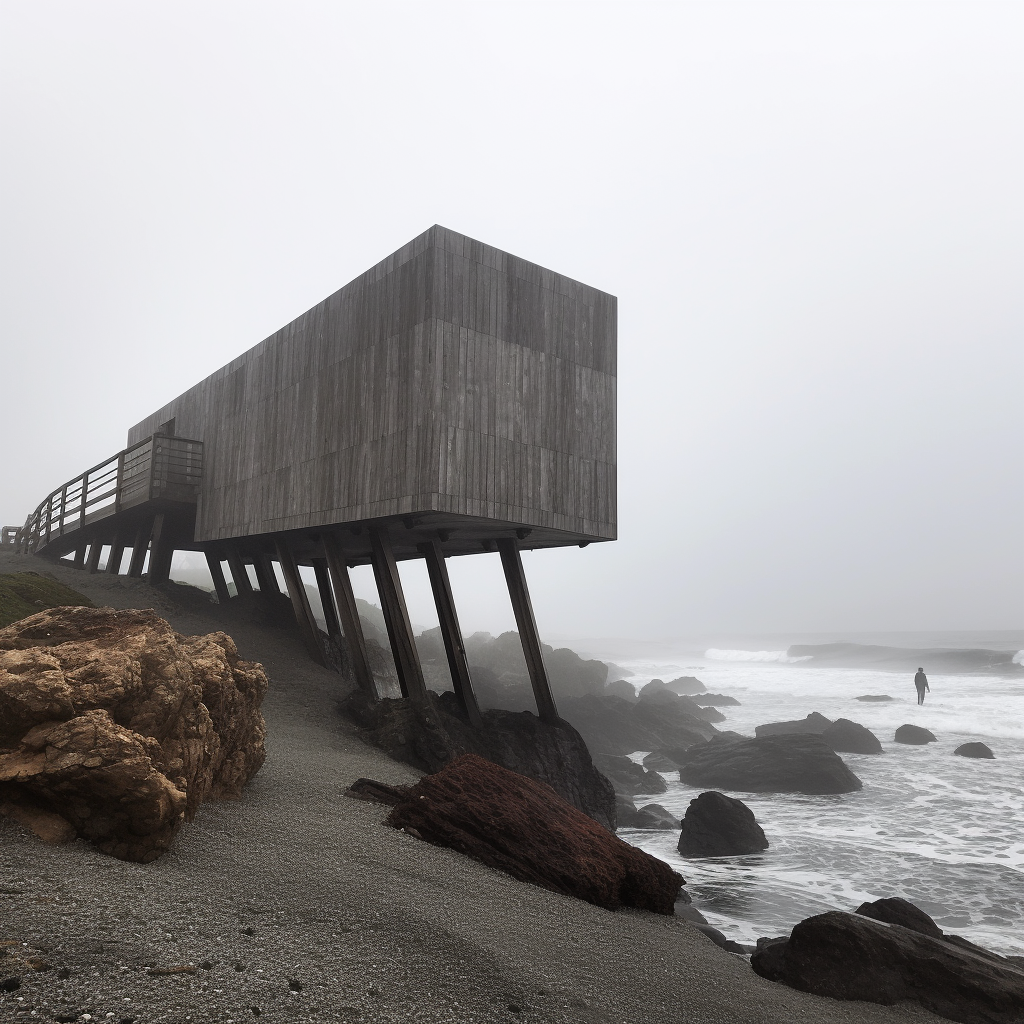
[921, 682]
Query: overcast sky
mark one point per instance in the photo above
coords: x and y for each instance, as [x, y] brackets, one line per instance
[811, 215]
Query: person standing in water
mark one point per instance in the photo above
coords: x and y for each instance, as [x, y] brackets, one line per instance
[921, 682]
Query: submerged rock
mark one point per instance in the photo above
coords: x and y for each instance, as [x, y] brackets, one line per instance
[768, 764]
[526, 829]
[658, 761]
[850, 956]
[717, 700]
[914, 734]
[814, 724]
[875, 697]
[431, 736]
[123, 727]
[716, 825]
[974, 750]
[848, 737]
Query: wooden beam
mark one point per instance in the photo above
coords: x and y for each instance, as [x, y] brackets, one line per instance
[95, 549]
[238, 573]
[219, 583]
[323, 586]
[139, 548]
[512, 563]
[265, 575]
[396, 616]
[451, 632]
[79, 562]
[349, 615]
[300, 602]
[162, 550]
[116, 554]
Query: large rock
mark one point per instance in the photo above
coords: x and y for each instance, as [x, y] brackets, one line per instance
[895, 910]
[123, 727]
[654, 816]
[526, 829]
[914, 734]
[716, 825]
[685, 685]
[847, 737]
[433, 735]
[715, 700]
[768, 764]
[621, 688]
[629, 777]
[849, 956]
[814, 725]
[611, 725]
[974, 750]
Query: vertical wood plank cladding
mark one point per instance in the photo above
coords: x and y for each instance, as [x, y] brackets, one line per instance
[451, 376]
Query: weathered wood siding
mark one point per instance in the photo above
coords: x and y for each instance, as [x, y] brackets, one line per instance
[452, 377]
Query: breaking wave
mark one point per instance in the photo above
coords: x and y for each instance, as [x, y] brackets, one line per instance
[783, 657]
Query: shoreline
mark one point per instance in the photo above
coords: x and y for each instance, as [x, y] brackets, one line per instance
[349, 919]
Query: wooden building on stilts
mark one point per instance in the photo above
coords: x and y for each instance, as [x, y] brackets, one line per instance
[454, 399]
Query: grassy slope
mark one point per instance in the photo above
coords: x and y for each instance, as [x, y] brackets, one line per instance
[25, 593]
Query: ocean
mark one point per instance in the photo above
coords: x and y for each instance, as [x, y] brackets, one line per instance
[945, 832]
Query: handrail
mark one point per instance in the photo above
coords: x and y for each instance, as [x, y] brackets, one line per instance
[161, 465]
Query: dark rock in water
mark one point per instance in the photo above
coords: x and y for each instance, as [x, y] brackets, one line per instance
[895, 910]
[657, 761]
[769, 764]
[848, 737]
[621, 688]
[716, 825]
[665, 710]
[717, 700]
[875, 697]
[813, 724]
[849, 956]
[525, 828]
[625, 812]
[974, 750]
[629, 777]
[685, 685]
[689, 913]
[654, 816]
[431, 736]
[611, 725]
[914, 734]
[651, 688]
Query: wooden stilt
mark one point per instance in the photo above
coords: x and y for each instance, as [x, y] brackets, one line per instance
[139, 548]
[80, 551]
[396, 616]
[323, 585]
[162, 550]
[219, 583]
[116, 554]
[349, 615]
[265, 575]
[451, 633]
[300, 602]
[95, 550]
[512, 563]
[238, 573]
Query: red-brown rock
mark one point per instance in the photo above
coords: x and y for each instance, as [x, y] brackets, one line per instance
[123, 727]
[526, 829]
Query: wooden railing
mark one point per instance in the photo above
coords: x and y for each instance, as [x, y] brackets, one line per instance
[159, 467]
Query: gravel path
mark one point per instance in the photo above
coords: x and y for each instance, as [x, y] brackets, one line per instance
[298, 904]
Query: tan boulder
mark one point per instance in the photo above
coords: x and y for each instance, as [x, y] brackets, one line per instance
[123, 727]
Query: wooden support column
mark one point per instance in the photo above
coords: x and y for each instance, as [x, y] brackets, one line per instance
[265, 575]
[396, 616]
[349, 614]
[323, 585]
[512, 563]
[116, 554]
[95, 550]
[162, 551]
[139, 549]
[80, 554]
[300, 602]
[238, 573]
[451, 632]
[219, 583]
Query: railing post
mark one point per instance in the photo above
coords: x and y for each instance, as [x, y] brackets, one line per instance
[63, 510]
[120, 482]
[85, 494]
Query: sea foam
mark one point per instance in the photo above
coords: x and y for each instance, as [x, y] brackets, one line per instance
[716, 654]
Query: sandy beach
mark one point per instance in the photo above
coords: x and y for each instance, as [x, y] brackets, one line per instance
[298, 904]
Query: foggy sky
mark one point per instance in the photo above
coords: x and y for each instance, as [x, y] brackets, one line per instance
[811, 215]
